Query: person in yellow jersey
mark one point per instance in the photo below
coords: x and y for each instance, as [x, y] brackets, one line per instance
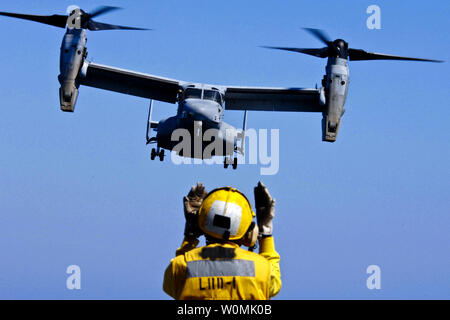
[222, 269]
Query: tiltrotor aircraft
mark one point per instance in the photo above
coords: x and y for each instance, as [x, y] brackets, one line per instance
[201, 106]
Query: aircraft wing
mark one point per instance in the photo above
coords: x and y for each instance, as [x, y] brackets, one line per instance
[273, 99]
[166, 90]
[130, 82]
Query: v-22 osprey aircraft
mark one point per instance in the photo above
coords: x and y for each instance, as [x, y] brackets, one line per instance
[202, 105]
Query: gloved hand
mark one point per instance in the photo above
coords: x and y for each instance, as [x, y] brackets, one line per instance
[192, 203]
[265, 210]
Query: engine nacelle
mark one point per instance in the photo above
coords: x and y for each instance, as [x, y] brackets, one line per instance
[68, 95]
[337, 81]
[73, 53]
[330, 129]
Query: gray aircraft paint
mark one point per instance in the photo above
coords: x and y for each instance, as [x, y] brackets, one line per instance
[330, 99]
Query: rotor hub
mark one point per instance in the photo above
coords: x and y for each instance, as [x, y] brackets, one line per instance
[341, 48]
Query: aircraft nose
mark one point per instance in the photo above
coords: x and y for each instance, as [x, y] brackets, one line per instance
[200, 110]
[192, 106]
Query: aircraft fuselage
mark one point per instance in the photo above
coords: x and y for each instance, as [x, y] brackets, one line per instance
[199, 119]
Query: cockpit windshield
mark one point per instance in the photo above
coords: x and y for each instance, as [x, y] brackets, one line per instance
[196, 93]
[192, 93]
[212, 95]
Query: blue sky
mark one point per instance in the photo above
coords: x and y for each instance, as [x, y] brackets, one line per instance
[81, 189]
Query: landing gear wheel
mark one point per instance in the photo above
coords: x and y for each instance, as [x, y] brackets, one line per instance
[161, 155]
[153, 154]
[225, 163]
[234, 163]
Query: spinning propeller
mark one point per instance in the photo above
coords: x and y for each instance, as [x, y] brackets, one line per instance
[86, 21]
[339, 48]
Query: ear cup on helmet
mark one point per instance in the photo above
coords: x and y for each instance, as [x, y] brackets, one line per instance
[251, 236]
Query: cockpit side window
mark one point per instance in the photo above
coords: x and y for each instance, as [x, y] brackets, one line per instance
[212, 95]
[192, 93]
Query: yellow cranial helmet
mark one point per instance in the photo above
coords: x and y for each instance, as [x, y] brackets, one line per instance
[225, 214]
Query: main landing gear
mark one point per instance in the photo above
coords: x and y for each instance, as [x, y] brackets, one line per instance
[157, 153]
[228, 160]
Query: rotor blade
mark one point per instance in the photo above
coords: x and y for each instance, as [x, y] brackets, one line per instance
[358, 55]
[319, 34]
[102, 10]
[98, 26]
[320, 53]
[53, 20]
